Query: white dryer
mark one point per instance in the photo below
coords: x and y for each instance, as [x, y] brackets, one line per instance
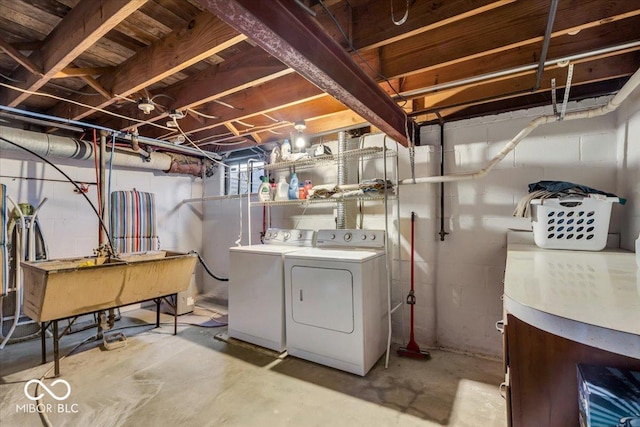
[336, 300]
[256, 287]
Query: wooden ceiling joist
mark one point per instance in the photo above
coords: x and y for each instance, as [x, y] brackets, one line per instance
[86, 23]
[513, 26]
[286, 31]
[17, 56]
[206, 35]
[245, 70]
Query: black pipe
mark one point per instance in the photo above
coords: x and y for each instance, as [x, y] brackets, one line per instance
[442, 232]
[545, 44]
[206, 268]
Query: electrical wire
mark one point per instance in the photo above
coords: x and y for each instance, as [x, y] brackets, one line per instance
[206, 116]
[404, 17]
[353, 48]
[207, 269]
[266, 128]
[186, 137]
[68, 179]
[249, 125]
[224, 104]
[102, 110]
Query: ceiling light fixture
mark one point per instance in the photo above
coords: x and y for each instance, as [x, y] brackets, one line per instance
[300, 140]
[176, 114]
[146, 105]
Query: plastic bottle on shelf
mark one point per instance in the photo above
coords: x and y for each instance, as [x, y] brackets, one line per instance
[273, 189]
[282, 190]
[264, 191]
[302, 192]
[285, 150]
[293, 187]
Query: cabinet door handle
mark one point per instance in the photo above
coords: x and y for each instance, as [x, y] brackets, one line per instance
[301, 299]
[500, 326]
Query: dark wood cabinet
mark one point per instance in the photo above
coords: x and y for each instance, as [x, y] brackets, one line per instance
[542, 390]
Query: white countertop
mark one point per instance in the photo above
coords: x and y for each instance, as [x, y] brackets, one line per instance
[589, 297]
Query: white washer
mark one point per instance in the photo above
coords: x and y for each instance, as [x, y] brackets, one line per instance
[256, 287]
[336, 300]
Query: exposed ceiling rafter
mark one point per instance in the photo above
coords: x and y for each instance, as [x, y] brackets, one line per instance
[286, 31]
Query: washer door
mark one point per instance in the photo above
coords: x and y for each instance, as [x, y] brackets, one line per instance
[322, 297]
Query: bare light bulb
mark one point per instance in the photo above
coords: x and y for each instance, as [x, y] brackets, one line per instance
[300, 142]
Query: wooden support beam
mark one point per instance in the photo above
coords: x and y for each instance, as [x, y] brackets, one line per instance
[97, 86]
[27, 46]
[85, 24]
[204, 36]
[25, 61]
[81, 72]
[232, 128]
[287, 32]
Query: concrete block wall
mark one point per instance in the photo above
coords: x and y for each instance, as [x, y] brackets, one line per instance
[70, 226]
[470, 262]
[628, 154]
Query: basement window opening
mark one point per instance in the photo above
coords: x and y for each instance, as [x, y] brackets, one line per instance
[236, 181]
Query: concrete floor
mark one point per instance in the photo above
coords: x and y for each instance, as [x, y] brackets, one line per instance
[192, 379]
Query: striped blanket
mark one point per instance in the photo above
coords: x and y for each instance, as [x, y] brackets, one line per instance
[133, 221]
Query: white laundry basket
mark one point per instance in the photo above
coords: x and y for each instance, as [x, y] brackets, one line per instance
[576, 223]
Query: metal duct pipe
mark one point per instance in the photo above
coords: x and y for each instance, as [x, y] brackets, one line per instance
[341, 218]
[119, 134]
[612, 105]
[515, 70]
[67, 148]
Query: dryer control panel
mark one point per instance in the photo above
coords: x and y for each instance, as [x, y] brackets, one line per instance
[350, 238]
[289, 237]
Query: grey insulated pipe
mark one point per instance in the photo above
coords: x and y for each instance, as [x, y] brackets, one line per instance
[68, 148]
[341, 218]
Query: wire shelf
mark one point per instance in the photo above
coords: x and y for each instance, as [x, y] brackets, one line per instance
[303, 202]
[368, 153]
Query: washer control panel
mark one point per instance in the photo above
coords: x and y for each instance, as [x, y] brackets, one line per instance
[289, 237]
[350, 238]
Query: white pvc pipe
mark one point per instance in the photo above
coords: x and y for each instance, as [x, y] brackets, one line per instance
[612, 105]
[32, 232]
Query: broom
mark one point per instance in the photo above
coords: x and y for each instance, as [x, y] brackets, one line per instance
[412, 349]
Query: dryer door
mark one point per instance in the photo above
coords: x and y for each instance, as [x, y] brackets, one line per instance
[322, 297]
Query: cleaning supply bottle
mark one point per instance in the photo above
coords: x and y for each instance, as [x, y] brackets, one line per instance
[302, 194]
[285, 150]
[264, 191]
[282, 190]
[293, 187]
